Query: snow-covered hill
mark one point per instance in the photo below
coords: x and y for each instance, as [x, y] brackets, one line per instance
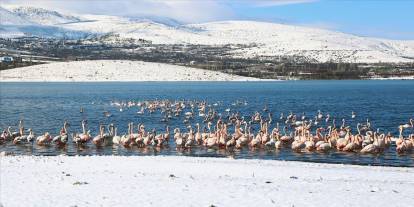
[9, 18]
[43, 16]
[28, 21]
[266, 39]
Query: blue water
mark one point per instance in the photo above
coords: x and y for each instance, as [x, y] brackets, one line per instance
[44, 107]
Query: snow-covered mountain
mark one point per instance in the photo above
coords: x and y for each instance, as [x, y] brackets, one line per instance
[157, 19]
[265, 39]
[43, 16]
[29, 21]
[9, 18]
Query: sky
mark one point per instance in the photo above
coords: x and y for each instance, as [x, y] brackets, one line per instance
[391, 19]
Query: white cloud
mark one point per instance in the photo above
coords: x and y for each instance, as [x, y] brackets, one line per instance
[270, 3]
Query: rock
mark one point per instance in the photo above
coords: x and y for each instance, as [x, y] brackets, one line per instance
[4, 153]
[80, 183]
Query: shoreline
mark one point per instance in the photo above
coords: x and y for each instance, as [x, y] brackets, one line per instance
[112, 71]
[197, 181]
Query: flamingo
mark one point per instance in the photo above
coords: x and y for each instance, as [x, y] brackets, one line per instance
[286, 138]
[368, 139]
[222, 135]
[152, 140]
[127, 140]
[298, 145]
[320, 115]
[371, 148]
[276, 137]
[86, 135]
[179, 140]
[323, 138]
[5, 135]
[190, 138]
[108, 137]
[167, 134]
[324, 146]
[146, 138]
[15, 134]
[265, 136]
[231, 143]
[158, 139]
[198, 136]
[272, 139]
[20, 138]
[404, 145]
[31, 136]
[256, 140]
[137, 138]
[388, 140]
[299, 142]
[316, 121]
[408, 125]
[62, 138]
[83, 138]
[353, 144]
[243, 139]
[309, 144]
[278, 143]
[99, 139]
[45, 139]
[380, 141]
[342, 142]
[400, 139]
[116, 139]
[327, 118]
[410, 143]
[212, 139]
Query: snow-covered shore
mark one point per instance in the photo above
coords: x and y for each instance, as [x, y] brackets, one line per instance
[113, 70]
[192, 181]
[393, 78]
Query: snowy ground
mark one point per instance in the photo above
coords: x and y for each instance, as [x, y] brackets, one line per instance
[114, 70]
[191, 181]
[394, 78]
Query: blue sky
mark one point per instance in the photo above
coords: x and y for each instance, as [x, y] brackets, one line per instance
[389, 19]
[377, 18]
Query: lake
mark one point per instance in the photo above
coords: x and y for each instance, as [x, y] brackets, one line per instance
[44, 107]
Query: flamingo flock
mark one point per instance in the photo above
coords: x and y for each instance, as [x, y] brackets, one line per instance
[227, 130]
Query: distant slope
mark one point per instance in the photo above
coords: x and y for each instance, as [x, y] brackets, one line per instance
[28, 21]
[10, 18]
[265, 39]
[114, 70]
[43, 16]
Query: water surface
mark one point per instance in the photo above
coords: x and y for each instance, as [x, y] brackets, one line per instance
[44, 107]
